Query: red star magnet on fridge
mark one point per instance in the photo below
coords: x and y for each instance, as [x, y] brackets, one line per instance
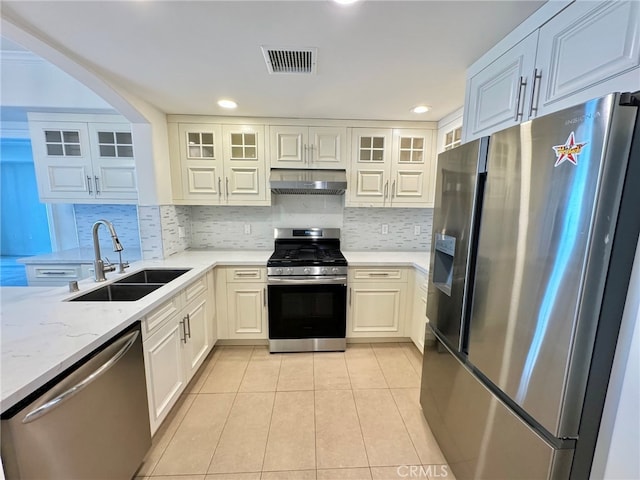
[569, 151]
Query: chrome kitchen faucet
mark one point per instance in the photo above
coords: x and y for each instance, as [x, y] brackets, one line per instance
[98, 264]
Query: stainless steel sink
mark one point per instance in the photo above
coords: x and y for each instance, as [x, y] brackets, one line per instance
[119, 293]
[153, 276]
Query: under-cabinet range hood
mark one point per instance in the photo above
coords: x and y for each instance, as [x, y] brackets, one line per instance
[308, 182]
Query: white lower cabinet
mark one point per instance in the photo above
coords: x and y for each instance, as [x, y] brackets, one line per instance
[164, 371]
[241, 294]
[419, 317]
[376, 305]
[178, 335]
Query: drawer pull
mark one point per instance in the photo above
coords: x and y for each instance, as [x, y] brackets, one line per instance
[379, 274]
[53, 272]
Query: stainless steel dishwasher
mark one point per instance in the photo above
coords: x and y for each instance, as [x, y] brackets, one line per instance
[91, 422]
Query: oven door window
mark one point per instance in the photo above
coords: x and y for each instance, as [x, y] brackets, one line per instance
[307, 311]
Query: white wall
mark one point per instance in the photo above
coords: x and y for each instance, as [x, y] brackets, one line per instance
[617, 455]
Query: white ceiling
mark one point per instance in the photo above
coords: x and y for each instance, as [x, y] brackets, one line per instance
[376, 59]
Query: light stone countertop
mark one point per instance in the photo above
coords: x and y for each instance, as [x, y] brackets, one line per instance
[42, 335]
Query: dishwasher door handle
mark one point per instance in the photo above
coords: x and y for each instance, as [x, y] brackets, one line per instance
[78, 387]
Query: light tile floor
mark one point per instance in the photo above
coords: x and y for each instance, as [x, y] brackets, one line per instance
[251, 415]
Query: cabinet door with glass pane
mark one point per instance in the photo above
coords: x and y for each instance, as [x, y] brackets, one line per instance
[62, 159]
[202, 163]
[114, 169]
[245, 170]
[412, 169]
[370, 167]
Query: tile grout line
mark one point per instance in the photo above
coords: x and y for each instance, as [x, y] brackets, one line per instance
[264, 454]
[404, 423]
[235, 396]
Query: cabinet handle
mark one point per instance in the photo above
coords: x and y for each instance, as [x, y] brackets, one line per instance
[537, 75]
[523, 84]
[393, 189]
[349, 296]
[188, 333]
[219, 187]
[248, 274]
[226, 186]
[97, 185]
[264, 296]
[385, 192]
[89, 185]
[306, 154]
[378, 274]
[183, 337]
[311, 147]
[53, 272]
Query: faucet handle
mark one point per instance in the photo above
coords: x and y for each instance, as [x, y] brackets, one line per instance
[109, 267]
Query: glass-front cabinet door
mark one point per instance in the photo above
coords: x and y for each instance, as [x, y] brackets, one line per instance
[62, 160]
[201, 162]
[114, 168]
[412, 169]
[370, 167]
[245, 170]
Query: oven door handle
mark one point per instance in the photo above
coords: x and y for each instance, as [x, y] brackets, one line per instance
[306, 280]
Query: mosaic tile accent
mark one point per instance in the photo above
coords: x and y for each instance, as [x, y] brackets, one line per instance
[172, 218]
[123, 217]
[223, 227]
[362, 229]
[150, 232]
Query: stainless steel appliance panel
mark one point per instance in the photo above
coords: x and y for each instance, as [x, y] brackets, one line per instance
[94, 423]
[456, 200]
[480, 437]
[537, 285]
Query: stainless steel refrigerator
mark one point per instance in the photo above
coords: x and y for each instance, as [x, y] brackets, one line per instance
[534, 233]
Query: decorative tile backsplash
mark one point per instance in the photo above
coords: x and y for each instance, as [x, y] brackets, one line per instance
[224, 227]
[123, 217]
[172, 218]
[362, 229]
[150, 232]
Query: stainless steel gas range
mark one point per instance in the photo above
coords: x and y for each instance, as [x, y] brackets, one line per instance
[307, 291]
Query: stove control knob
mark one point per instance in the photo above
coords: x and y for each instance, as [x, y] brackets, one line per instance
[334, 270]
[289, 271]
[306, 271]
[278, 271]
[323, 271]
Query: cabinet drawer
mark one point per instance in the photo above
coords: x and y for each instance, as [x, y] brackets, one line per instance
[246, 273]
[378, 274]
[53, 274]
[194, 289]
[155, 319]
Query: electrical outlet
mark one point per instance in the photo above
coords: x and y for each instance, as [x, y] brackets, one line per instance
[385, 229]
[181, 232]
[247, 229]
[416, 229]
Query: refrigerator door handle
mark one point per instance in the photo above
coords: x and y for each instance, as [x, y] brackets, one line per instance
[521, 86]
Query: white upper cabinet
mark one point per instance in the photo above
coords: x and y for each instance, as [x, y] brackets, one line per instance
[497, 94]
[587, 50]
[89, 160]
[245, 168]
[412, 168]
[391, 168]
[308, 147]
[215, 164]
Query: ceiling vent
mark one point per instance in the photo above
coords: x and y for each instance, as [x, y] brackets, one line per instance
[290, 60]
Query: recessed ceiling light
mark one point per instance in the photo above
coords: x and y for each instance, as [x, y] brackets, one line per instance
[420, 109]
[227, 103]
[345, 2]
